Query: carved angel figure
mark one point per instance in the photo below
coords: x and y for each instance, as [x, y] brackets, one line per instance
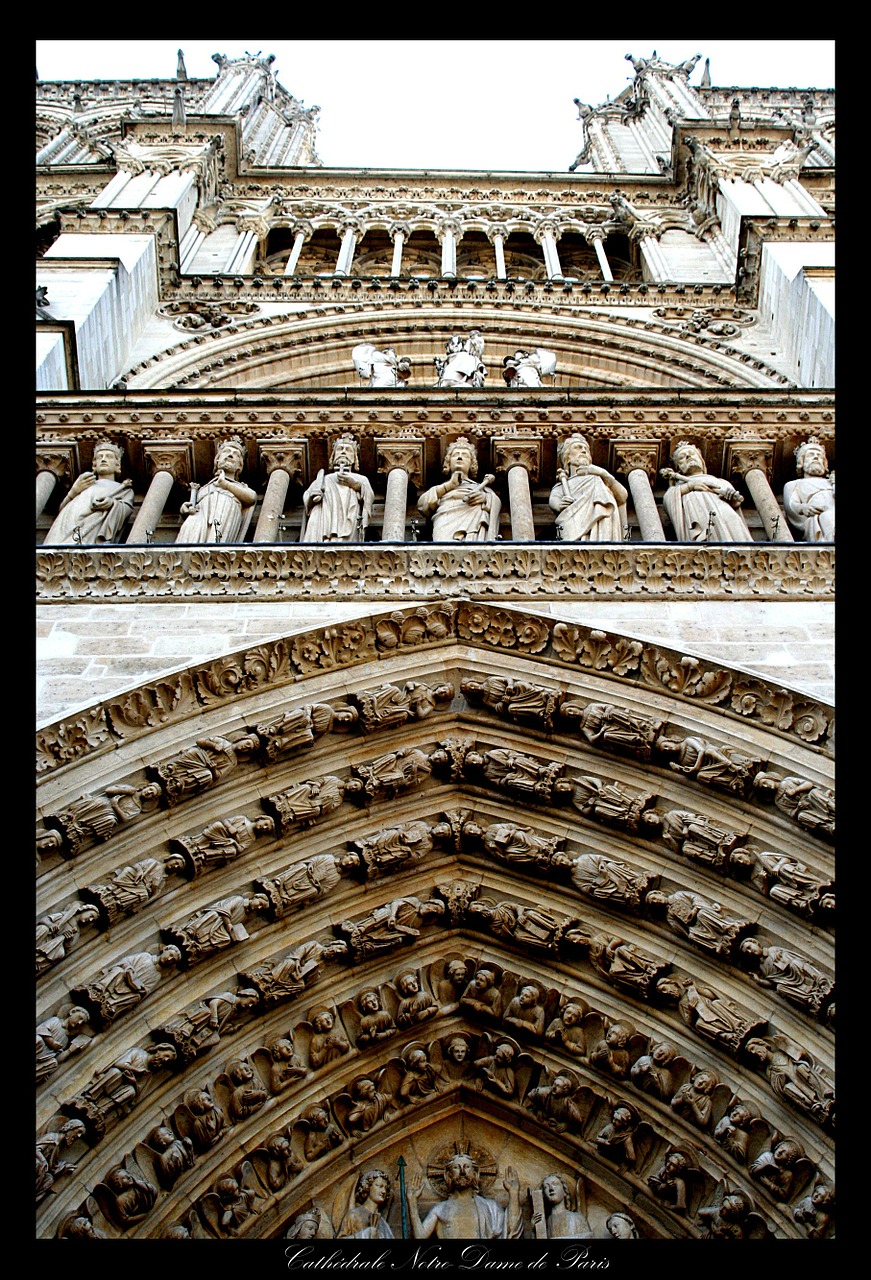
[366, 1216]
[526, 369]
[382, 368]
[554, 1216]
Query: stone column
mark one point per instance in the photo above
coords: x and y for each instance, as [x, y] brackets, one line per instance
[401, 460]
[546, 234]
[520, 456]
[752, 459]
[53, 462]
[449, 233]
[497, 235]
[638, 460]
[647, 237]
[302, 231]
[283, 461]
[597, 239]
[399, 233]
[351, 231]
[167, 462]
[251, 231]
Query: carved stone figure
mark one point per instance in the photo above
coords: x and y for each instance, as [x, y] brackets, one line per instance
[201, 766]
[517, 772]
[308, 1225]
[483, 994]
[375, 1022]
[463, 362]
[526, 1011]
[624, 964]
[694, 1101]
[247, 1094]
[611, 803]
[653, 1072]
[79, 1226]
[701, 507]
[322, 1135]
[328, 1042]
[791, 976]
[300, 728]
[809, 501]
[555, 1104]
[305, 802]
[217, 844]
[282, 979]
[693, 836]
[235, 1204]
[366, 1218]
[58, 1038]
[201, 1027]
[616, 1138]
[526, 369]
[174, 1155]
[58, 932]
[520, 847]
[130, 1196]
[128, 889]
[817, 1211]
[526, 926]
[615, 728]
[732, 1217]
[369, 1105]
[388, 705]
[213, 928]
[115, 1090]
[422, 1079]
[621, 1227]
[610, 1054]
[699, 919]
[567, 1030]
[461, 509]
[50, 1149]
[556, 1219]
[96, 817]
[416, 1004]
[791, 882]
[732, 1132]
[338, 505]
[720, 767]
[396, 771]
[202, 1119]
[514, 699]
[586, 498]
[777, 1168]
[707, 1012]
[301, 883]
[98, 505]
[465, 1214]
[382, 368]
[811, 806]
[608, 880]
[121, 986]
[389, 926]
[219, 510]
[276, 1162]
[395, 848]
[669, 1182]
[496, 1070]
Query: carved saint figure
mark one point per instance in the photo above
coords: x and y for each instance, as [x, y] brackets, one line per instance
[416, 1005]
[307, 801]
[338, 505]
[520, 846]
[586, 498]
[809, 501]
[615, 728]
[699, 919]
[219, 511]
[58, 932]
[128, 889]
[527, 368]
[465, 1214]
[58, 1038]
[50, 1148]
[96, 817]
[720, 767]
[217, 844]
[811, 806]
[567, 1029]
[98, 505]
[515, 699]
[121, 986]
[115, 1090]
[461, 509]
[131, 1197]
[608, 879]
[302, 883]
[327, 1042]
[299, 728]
[201, 766]
[463, 361]
[365, 1220]
[556, 1219]
[217, 926]
[701, 507]
[791, 976]
[382, 368]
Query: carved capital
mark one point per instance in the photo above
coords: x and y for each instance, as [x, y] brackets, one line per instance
[449, 226]
[596, 232]
[62, 460]
[174, 456]
[516, 451]
[636, 455]
[351, 224]
[407, 454]
[645, 231]
[399, 229]
[546, 229]
[301, 227]
[253, 222]
[496, 231]
[285, 455]
[743, 456]
[204, 222]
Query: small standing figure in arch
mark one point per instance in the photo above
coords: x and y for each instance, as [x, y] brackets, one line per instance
[338, 506]
[221, 510]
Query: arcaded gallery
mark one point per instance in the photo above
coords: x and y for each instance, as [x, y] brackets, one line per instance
[435, 735]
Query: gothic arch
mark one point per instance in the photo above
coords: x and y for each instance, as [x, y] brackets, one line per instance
[539, 867]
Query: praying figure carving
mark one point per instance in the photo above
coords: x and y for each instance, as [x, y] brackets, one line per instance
[338, 505]
[220, 510]
[462, 510]
[98, 505]
[809, 501]
[586, 498]
[463, 362]
[701, 507]
[381, 367]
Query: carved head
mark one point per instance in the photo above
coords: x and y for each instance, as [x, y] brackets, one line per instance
[687, 458]
[810, 458]
[374, 1184]
[556, 1190]
[461, 1171]
[574, 451]
[345, 453]
[461, 455]
[107, 458]
[230, 456]
[621, 1226]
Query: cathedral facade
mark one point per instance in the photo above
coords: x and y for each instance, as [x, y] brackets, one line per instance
[435, 742]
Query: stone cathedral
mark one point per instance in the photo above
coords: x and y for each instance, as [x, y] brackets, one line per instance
[435, 740]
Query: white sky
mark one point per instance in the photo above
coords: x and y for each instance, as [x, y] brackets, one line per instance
[496, 105]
